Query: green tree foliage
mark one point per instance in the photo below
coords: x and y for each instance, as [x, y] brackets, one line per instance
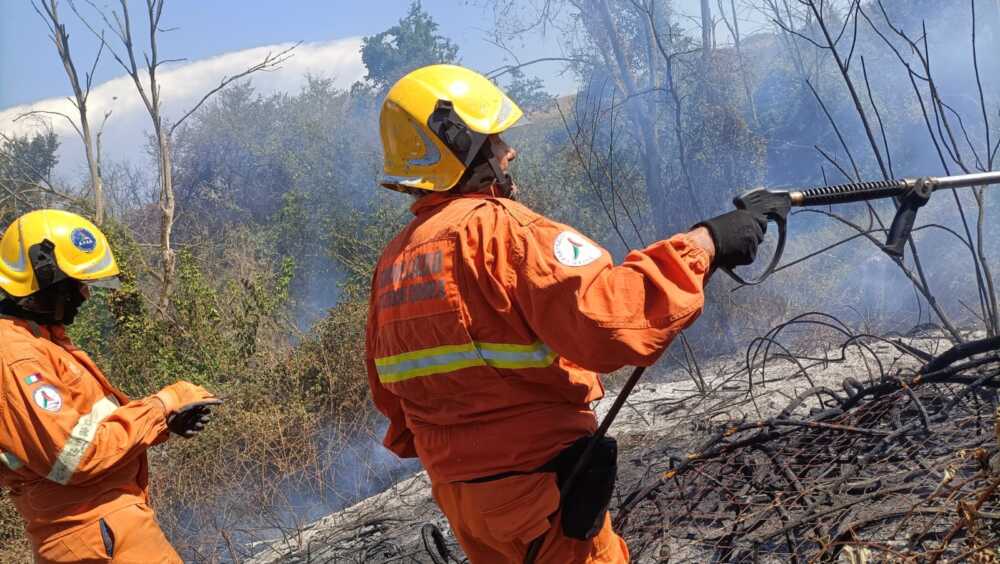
[529, 93]
[26, 162]
[359, 240]
[28, 157]
[228, 330]
[410, 44]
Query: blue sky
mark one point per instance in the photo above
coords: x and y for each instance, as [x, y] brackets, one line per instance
[30, 69]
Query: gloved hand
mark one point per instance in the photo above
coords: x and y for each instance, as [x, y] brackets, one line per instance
[736, 235]
[191, 419]
[181, 394]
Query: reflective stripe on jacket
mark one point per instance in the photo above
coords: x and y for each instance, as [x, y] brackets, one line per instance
[73, 446]
[488, 323]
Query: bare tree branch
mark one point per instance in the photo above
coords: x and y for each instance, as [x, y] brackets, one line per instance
[505, 69]
[270, 63]
[836, 130]
[80, 95]
[35, 113]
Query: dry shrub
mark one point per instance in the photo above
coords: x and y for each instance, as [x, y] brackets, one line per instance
[275, 438]
[287, 407]
[231, 474]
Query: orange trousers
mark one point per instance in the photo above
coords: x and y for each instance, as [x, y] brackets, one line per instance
[131, 533]
[496, 521]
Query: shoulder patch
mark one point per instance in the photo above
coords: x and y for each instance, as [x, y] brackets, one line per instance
[48, 398]
[572, 249]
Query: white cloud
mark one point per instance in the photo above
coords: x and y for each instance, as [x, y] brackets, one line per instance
[182, 85]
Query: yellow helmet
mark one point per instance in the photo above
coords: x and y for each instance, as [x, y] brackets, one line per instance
[434, 121]
[44, 247]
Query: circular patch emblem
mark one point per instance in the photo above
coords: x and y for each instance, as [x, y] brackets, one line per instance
[84, 240]
[48, 398]
[572, 249]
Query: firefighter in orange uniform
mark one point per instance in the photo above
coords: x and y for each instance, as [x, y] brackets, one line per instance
[488, 324]
[73, 447]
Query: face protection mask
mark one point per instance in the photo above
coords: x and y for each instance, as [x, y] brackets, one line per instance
[58, 304]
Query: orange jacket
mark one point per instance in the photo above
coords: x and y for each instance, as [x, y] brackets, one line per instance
[72, 447]
[488, 323]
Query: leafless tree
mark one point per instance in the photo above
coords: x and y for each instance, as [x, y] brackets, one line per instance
[782, 14]
[734, 31]
[119, 22]
[707, 33]
[837, 36]
[48, 10]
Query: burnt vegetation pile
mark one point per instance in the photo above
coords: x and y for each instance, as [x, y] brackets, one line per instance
[900, 466]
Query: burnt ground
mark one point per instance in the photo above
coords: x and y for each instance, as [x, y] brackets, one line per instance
[869, 450]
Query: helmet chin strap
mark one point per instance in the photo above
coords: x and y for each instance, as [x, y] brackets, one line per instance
[57, 304]
[485, 173]
[500, 179]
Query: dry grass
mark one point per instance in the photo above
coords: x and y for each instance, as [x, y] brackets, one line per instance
[14, 547]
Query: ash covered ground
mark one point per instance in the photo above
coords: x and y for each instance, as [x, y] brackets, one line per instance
[869, 449]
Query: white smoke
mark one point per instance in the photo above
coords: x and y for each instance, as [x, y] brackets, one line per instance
[182, 85]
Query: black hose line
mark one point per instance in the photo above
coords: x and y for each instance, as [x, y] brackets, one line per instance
[853, 192]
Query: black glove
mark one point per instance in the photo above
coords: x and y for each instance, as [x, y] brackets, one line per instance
[192, 419]
[736, 235]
